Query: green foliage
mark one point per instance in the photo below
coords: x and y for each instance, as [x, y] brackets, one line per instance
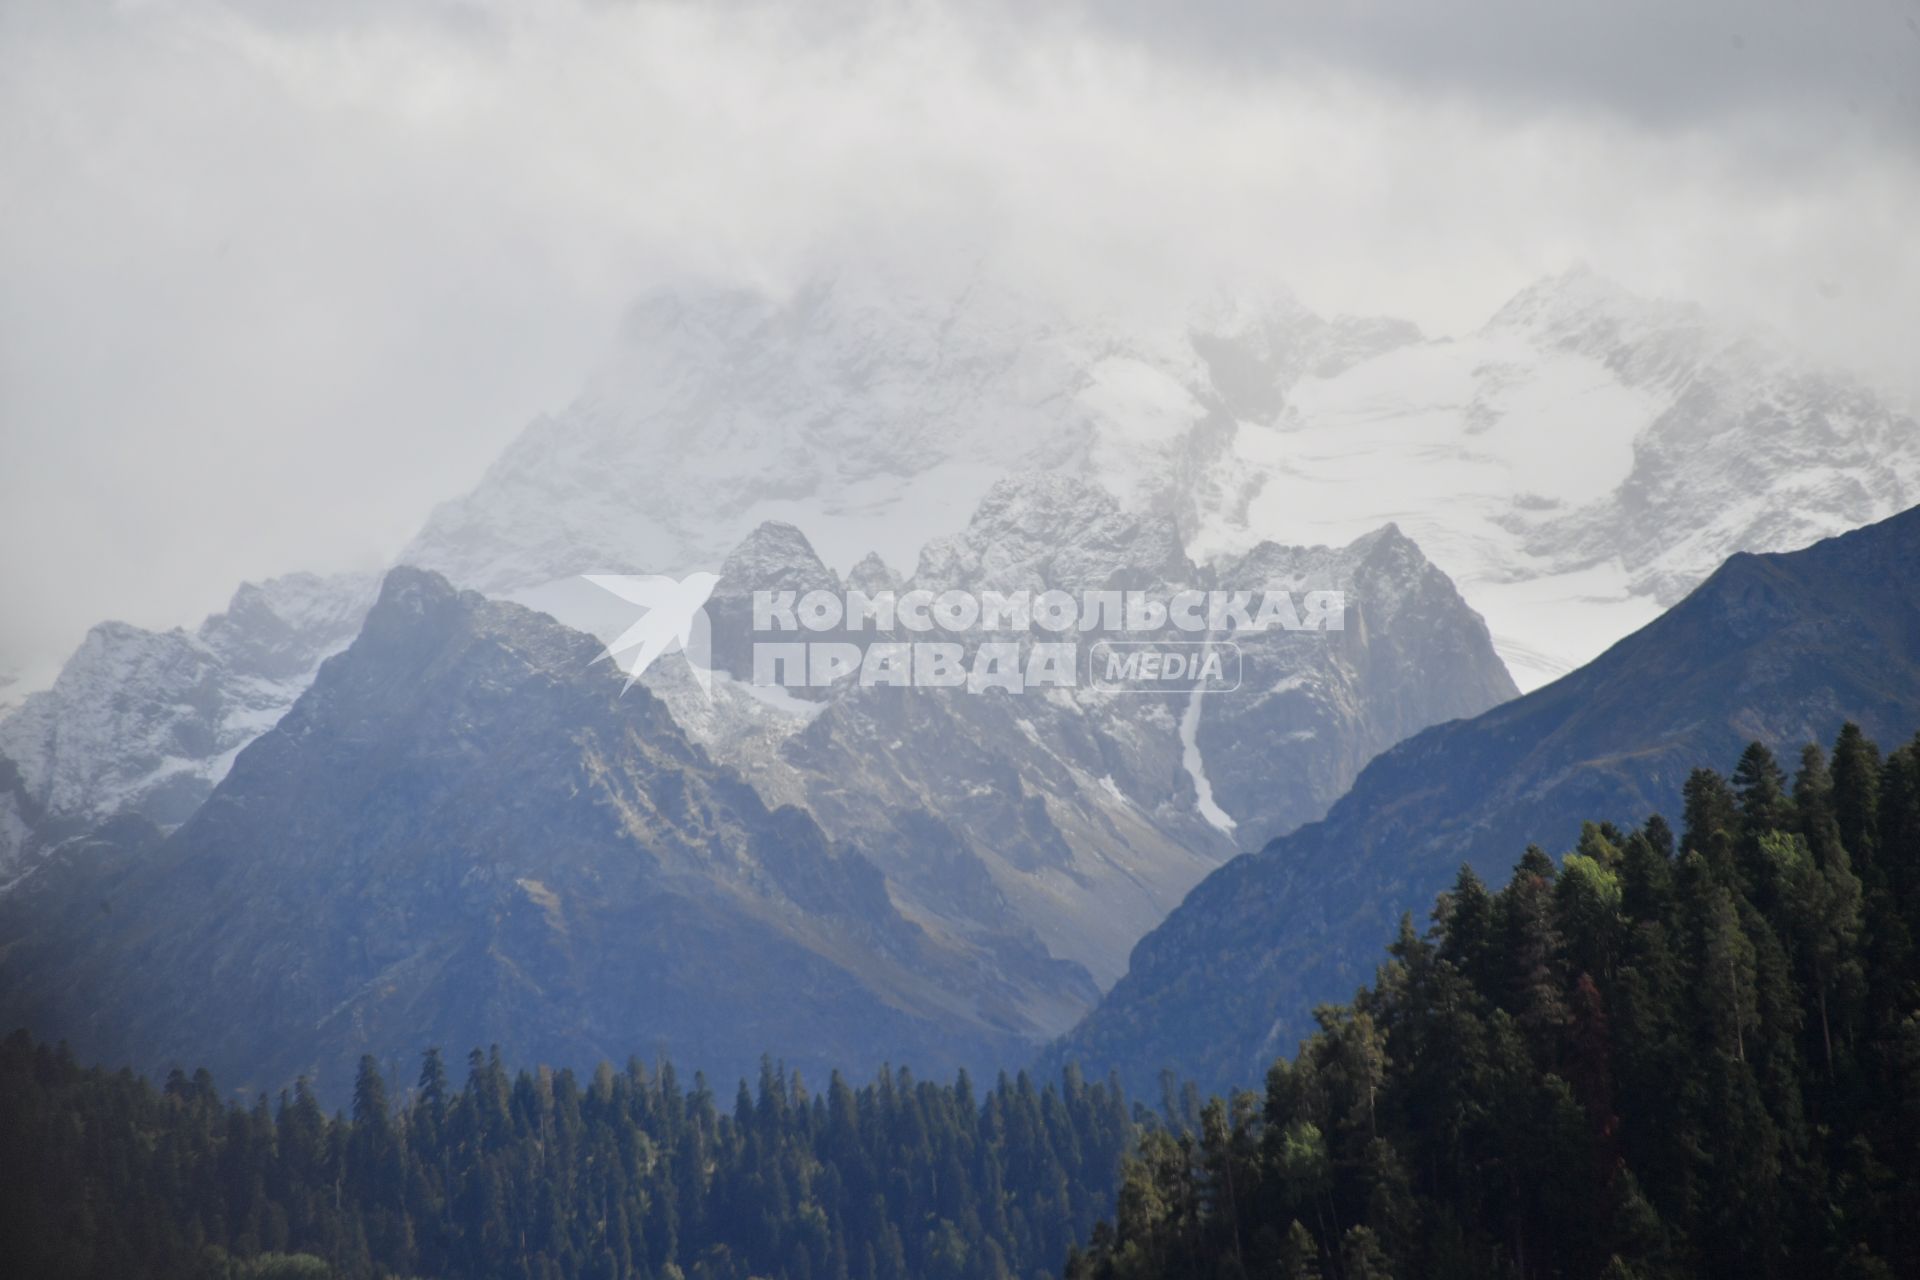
[539, 1175]
[1647, 1063]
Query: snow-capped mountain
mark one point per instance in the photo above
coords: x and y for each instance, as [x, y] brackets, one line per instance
[1561, 474]
[1073, 819]
[1583, 461]
[1574, 466]
[871, 409]
[148, 722]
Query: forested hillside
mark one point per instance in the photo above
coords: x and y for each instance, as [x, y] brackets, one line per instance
[537, 1174]
[1646, 1062]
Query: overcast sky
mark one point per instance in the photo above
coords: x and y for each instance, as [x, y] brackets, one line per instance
[274, 278]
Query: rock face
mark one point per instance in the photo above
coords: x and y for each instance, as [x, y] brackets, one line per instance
[1063, 813]
[1574, 466]
[1777, 648]
[1035, 838]
[1074, 819]
[464, 834]
[147, 722]
[24, 829]
[1316, 706]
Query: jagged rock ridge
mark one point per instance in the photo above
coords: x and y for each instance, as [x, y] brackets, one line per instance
[1074, 817]
[147, 722]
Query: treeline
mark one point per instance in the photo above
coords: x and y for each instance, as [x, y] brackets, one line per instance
[628, 1174]
[1650, 1061]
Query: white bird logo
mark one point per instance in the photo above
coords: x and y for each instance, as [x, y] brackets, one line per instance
[676, 616]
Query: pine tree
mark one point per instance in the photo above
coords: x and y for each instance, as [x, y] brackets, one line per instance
[1762, 790]
[1856, 794]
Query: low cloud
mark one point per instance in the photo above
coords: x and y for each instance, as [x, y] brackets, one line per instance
[277, 279]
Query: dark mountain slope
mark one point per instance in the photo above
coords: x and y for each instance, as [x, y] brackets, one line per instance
[1776, 648]
[464, 834]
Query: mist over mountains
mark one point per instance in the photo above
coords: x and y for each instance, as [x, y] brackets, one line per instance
[1575, 465]
[1509, 501]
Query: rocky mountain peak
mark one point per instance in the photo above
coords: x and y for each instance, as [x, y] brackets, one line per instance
[415, 613]
[147, 721]
[872, 574]
[1049, 530]
[467, 832]
[1581, 310]
[1385, 558]
[776, 556]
